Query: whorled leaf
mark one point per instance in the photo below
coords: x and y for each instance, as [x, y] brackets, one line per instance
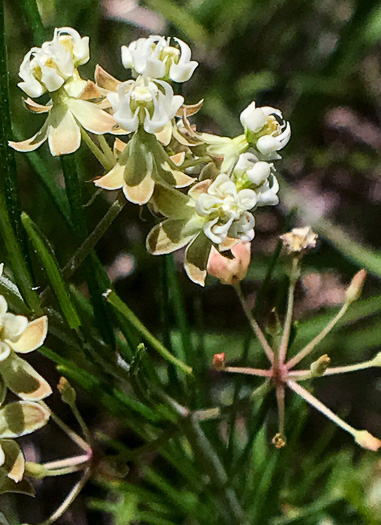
[33, 336]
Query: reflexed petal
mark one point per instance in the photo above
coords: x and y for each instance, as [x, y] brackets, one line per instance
[8, 485]
[199, 188]
[22, 379]
[165, 135]
[36, 108]
[196, 259]
[14, 459]
[169, 236]
[2, 455]
[32, 143]
[21, 418]
[33, 336]
[3, 390]
[141, 192]
[91, 117]
[105, 80]
[113, 180]
[171, 203]
[64, 134]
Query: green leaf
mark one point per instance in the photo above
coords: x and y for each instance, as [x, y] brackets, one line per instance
[48, 261]
[31, 11]
[21, 418]
[113, 299]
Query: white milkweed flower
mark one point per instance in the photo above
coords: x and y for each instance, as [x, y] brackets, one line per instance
[145, 102]
[227, 211]
[258, 175]
[154, 57]
[48, 67]
[265, 129]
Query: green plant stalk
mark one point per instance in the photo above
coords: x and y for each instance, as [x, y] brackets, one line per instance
[115, 301]
[47, 258]
[78, 219]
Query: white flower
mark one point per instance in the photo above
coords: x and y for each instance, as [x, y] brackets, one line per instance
[266, 129]
[256, 170]
[154, 57]
[47, 68]
[145, 102]
[250, 170]
[227, 211]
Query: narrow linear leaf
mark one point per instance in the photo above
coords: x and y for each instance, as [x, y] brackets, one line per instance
[34, 18]
[115, 301]
[48, 261]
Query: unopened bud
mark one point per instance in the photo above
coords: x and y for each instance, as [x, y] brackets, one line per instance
[355, 288]
[67, 392]
[366, 440]
[279, 440]
[319, 366]
[230, 271]
[219, 361]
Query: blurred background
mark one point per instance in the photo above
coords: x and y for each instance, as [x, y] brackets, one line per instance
[319, 62]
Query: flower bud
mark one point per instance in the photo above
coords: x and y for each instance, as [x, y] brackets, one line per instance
[366, 440]
[319, 366]
[230, 271]
[355, 288]
[67, 392]
[219, 361]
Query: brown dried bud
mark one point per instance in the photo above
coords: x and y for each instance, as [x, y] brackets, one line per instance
[219, 361]
[279, 440]
[299, 240]
[355, 288]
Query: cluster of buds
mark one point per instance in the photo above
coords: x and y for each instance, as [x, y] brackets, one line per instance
[203, 187]
[18, 418]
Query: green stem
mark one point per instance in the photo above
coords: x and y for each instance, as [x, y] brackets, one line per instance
[254, 325]
[290, 310]
[308, 348]
[106, 150]
[97, 152]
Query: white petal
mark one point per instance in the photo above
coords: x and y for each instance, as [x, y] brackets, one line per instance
[253, 118]
[91, 117]
[13, 326]
[205, 203]
[259, 172]
[64, 135]
[3, 306]
[247, 199]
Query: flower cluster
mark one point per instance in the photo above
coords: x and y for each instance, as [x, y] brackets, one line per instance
[19, 336]
[204, 188]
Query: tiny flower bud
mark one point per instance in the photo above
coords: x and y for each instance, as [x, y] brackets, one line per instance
[230, 271]
[319, 366]
[366, 440]
[219, 361]
[299, 240]
[355, 288]
[279, 440]
[68, 394]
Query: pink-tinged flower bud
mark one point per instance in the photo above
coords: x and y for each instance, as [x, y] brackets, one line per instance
[355, 288]
[230, 271]
[219, 361]
[366, 440]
